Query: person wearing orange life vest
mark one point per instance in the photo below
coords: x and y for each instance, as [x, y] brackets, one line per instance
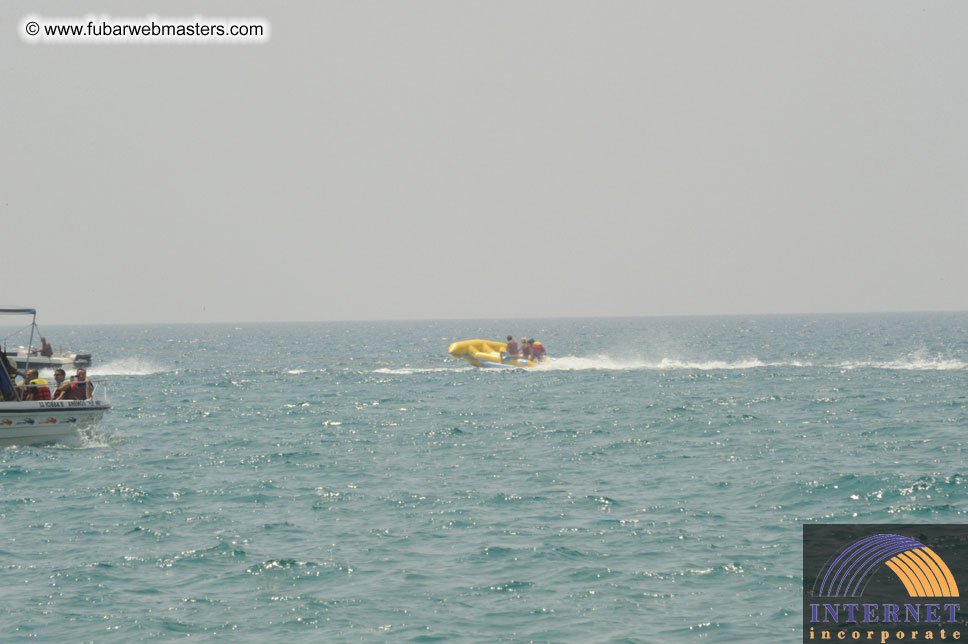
[80, 388]
[512, 348]
[526, 348]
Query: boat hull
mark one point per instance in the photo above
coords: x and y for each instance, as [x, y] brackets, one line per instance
[487, 353]
[45, 421]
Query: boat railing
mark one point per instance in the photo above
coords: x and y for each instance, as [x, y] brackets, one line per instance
[100, 391]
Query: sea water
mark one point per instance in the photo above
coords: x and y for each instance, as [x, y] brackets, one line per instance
[334, 482]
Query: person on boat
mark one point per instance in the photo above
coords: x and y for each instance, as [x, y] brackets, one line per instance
[512, 348]
[45, 349]
[59, 376]
[526, 348]
[80, 388]
[537, 350]
[35, 387]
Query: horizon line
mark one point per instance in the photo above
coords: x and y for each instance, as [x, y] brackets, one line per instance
[488, 319]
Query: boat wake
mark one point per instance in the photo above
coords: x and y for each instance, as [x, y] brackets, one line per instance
[86, 438]
[125, 367]
[915, 364]
[406, 371]
[608, 363]
[605, 362]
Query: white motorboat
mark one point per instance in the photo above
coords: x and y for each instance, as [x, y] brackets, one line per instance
[30, 422]
[24, 359]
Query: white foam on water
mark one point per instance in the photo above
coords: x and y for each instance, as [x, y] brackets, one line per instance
[412, 370]
[908, 364]
[921, 359]
[86, 438]
[124, 367]
[604, 362]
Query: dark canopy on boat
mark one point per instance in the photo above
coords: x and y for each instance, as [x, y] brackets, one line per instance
[16, 310]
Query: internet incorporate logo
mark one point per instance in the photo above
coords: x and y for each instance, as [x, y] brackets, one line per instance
[922, 572]
[883, 583]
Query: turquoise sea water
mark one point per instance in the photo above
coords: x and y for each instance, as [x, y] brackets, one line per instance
[352, 482]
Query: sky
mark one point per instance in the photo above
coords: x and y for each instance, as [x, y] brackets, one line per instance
[455, 159]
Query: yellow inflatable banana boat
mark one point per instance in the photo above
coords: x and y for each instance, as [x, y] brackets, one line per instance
[485, 353]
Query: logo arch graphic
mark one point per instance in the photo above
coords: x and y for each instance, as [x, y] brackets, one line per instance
[922, 572]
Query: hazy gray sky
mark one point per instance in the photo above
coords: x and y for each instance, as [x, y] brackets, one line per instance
[447, 159]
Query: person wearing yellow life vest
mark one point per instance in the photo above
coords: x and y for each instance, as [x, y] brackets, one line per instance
[35, 388]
